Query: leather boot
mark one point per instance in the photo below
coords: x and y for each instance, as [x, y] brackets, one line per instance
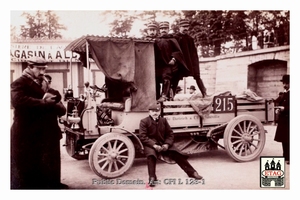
[171, 95]
[152, 181]
[201, 86]
[133, 87]
[195, 175]
[165, 90]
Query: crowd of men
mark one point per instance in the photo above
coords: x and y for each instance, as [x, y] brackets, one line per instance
[175, 57]
[35, 134]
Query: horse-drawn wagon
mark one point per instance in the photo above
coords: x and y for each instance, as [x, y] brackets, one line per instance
[107, 132]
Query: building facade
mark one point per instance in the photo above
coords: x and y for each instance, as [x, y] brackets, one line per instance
[64, 67]
[258, 70]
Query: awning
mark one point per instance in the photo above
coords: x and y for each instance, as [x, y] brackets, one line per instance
[79, 45]
[128, 60]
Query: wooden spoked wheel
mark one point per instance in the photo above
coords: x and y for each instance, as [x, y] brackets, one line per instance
[244, 138]
[111, 155]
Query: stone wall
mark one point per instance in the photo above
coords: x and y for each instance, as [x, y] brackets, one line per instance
[258, 70]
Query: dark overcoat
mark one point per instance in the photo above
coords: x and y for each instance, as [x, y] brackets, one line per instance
[35, 136]
[156, 132]
[283, 128]
[190, 54]
[166, 47]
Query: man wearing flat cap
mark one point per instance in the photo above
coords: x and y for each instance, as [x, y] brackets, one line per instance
[283, 128]
[35, 134]
[168, 59]
[157, 138]
[191, 57]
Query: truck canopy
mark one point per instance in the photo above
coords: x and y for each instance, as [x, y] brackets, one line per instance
[127, 60]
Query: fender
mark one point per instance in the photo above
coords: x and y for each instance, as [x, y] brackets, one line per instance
[133, 134]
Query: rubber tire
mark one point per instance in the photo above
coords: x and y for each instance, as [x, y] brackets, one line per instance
[101, 168]
[231, 138]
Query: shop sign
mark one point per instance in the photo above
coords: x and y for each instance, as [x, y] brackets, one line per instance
[19, 52]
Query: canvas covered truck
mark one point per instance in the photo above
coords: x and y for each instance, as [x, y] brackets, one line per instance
[107, 132]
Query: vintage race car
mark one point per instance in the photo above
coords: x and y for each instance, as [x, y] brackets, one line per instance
[107, 133]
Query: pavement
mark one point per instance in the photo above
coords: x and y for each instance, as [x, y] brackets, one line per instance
[219, 170]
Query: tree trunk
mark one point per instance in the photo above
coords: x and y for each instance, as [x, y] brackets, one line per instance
[217, 49]
[247, 43]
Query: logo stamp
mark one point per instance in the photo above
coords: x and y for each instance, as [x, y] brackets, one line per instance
[272, 172]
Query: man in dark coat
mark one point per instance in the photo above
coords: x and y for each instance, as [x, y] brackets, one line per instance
[283, 128]
[157, 137]
[191, 57]
[35, 134]
[168, 59]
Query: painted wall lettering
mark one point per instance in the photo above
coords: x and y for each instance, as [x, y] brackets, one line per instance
[51, 52]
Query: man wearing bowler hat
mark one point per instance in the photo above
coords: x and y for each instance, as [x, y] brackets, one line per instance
[168, 59]
[191, 57]
[157, 137]
[35, 134]
[283, 128]
[192, 90]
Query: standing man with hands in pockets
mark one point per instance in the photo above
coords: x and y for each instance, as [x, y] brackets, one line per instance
[35, 134]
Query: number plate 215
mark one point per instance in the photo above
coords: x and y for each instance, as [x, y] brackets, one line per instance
[224, 104]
